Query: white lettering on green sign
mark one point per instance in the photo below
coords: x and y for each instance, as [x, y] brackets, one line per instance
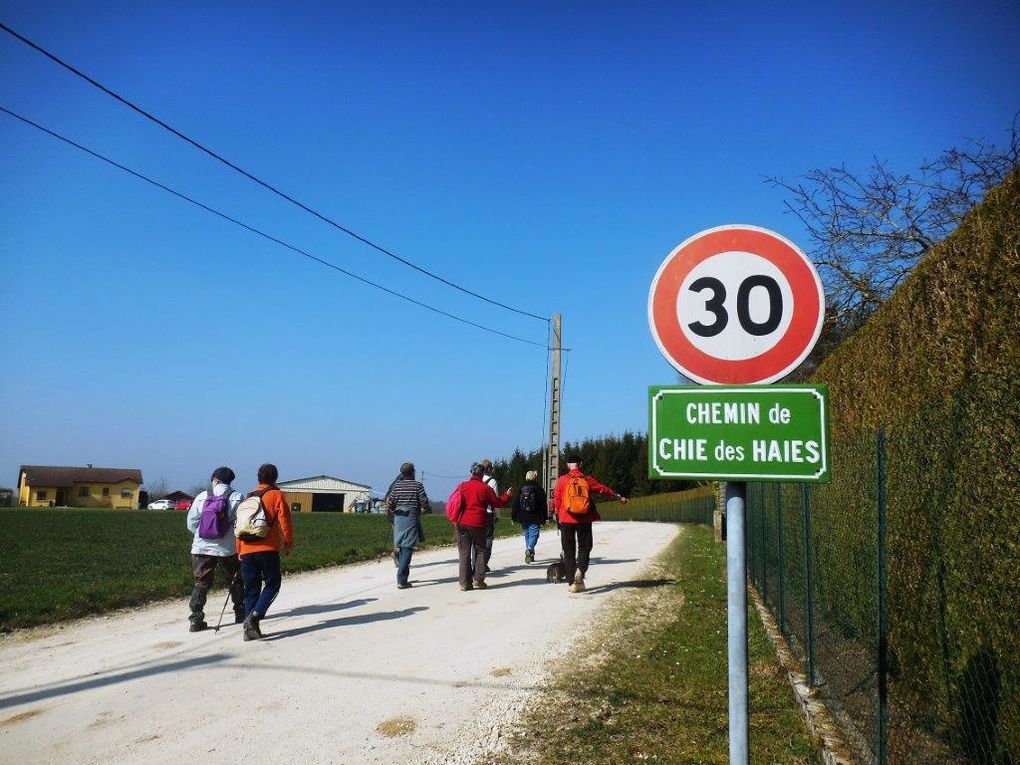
[734, 433]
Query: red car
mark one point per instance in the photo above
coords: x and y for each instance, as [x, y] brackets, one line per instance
[184, 504]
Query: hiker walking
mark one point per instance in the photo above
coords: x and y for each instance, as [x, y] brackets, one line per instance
[491, 512]
[211, 521]
[263, 528]
[576, 512]
[405, 501]
[471, 524]
[530, 509]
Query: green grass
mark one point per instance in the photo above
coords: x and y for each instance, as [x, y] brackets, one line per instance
[651, 684]
[61, 564]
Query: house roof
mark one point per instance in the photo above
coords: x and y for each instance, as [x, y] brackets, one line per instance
[65, 477]
[324, 484]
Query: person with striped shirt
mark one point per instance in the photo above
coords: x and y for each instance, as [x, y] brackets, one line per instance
[405, 502]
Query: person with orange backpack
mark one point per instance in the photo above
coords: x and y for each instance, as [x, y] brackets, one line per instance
[576, 512]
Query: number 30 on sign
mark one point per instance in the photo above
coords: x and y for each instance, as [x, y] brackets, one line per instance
[736, 305]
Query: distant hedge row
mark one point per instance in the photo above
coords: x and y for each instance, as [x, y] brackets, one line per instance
[939, 368]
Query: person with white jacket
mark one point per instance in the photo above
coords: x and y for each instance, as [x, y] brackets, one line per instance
[211, 521]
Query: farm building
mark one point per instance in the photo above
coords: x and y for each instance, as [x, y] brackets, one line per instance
[323, 494]
[55, 486]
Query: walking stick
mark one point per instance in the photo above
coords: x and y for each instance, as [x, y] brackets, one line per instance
[229, 586]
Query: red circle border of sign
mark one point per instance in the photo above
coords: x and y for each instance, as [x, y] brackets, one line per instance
[784, 356]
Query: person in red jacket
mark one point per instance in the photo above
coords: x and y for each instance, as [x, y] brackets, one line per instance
[471, 525]
[576, 512]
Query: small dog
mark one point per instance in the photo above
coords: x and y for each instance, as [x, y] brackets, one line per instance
[554, 573]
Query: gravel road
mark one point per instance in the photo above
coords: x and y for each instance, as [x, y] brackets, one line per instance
[352, 670]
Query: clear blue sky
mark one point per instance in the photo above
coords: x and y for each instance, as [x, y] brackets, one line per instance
[548, 154]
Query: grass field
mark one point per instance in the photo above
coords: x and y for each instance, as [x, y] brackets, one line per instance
[650, 685]
[61, 564]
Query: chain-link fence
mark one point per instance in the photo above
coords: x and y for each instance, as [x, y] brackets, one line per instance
[902, 618]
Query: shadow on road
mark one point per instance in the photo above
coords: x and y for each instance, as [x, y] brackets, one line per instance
[122, 677]
[635, 584]
[346, 621]
[320, 608]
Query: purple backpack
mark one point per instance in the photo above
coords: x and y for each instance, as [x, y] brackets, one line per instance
[215, 519]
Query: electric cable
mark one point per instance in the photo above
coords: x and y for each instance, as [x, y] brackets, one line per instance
[263, 234]
[201, 147]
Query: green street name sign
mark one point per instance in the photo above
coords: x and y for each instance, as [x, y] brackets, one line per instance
[739, 433]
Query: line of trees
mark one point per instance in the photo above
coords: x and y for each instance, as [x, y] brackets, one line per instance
[620, 462]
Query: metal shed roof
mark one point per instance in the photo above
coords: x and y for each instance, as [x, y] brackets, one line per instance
[323, 484]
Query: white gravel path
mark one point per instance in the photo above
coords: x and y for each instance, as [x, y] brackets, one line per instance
[347, 652]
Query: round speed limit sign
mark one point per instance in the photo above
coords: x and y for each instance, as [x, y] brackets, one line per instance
[735, 305]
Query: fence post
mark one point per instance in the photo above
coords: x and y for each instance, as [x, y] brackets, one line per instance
[883, 629]
[764, 545]
[779, 563]
[809, 617]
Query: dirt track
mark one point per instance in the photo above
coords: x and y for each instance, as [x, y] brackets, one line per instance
[352, 671]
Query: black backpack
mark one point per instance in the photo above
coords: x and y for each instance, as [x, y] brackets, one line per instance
[529, 499]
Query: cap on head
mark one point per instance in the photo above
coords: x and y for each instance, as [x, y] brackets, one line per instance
[223, 475]
[407, 470]
[268, 473]
[531, 475]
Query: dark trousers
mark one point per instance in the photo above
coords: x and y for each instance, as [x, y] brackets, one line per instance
[471, 539]
[490, 532]
[577, 541]
[205, 571]
[261, 572]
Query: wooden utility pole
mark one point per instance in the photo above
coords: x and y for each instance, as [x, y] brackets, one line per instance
[555, 401]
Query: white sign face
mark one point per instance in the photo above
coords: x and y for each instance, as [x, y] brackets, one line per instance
[736, 305]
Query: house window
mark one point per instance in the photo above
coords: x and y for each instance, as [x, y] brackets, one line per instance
[40, 495]
[126, 494]
[83, 491]
[106, 491]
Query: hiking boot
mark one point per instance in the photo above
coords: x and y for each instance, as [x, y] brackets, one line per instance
[251, 628]
[239, 617]
[578, 583]
[466, 587]
[404, 586]
[198, 626]
[529, 556]
[479, 585]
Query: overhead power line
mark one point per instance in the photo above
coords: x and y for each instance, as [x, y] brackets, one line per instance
[201, 147]
[262, 233]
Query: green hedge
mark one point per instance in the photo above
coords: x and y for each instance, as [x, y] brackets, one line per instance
[938, 367]
[691, 506]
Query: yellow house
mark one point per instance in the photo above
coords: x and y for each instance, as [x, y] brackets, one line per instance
[52, 486]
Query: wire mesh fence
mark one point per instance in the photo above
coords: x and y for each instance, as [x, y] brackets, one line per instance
[911, 647]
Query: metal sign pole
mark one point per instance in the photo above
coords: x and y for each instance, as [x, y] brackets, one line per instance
[736, 604]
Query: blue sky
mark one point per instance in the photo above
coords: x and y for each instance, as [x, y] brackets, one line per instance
[549, 155]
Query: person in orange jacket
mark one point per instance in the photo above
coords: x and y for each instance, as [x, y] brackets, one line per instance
[260, 560]
[576, 512]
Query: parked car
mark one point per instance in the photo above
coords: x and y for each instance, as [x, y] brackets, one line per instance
[184, 504]
[161, 504]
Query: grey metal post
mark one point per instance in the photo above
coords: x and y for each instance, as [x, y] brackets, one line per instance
[555, 403]
[736, 610]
